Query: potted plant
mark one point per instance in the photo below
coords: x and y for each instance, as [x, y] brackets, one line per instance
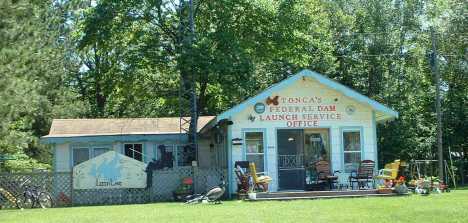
[252, 194]
[185, 189]
[400, 186]
[385, 188]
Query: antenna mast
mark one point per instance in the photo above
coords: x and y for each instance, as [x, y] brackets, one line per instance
[188, 84]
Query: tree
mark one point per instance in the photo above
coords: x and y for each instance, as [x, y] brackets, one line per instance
[34, 69]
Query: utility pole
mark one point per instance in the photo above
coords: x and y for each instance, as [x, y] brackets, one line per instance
[439, 122]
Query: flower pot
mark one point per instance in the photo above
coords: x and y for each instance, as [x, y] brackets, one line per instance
[385, 191]
[401, 189]
[252, 196]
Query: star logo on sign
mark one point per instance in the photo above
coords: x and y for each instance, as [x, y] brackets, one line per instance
[336, 99]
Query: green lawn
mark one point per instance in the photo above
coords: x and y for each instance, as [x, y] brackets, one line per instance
[448, 207]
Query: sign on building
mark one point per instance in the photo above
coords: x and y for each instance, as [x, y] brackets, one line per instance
[110, 170]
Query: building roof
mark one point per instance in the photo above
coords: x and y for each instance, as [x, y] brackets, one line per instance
[383, 113]
[115, 127]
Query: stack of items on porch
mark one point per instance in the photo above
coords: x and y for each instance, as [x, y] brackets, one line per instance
[253, 181]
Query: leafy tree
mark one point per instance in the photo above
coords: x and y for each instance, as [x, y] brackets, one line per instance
[34, 70]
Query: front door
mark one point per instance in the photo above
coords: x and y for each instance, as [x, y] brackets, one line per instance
[291, 169]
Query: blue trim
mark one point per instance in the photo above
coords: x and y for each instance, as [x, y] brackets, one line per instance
[230, 164]
[55, 157]
[374, 129]
[345, 128]
[122, 138]
[322, 79]
[90, 148]
[265, 145]
[145, 153]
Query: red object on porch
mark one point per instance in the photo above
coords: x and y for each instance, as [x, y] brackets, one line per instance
[188, 181]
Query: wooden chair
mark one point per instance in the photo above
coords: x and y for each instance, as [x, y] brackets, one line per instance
[390, 171]
[324, 173]
[365, 173]
[259, 180]
[244, 181]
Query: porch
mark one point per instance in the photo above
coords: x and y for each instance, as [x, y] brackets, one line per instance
[299, 195]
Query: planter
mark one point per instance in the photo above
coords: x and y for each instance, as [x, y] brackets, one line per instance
[401, 189]
[385, 191]
[252, 196]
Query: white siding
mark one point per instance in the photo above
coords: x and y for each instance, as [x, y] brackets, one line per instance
[306, 88]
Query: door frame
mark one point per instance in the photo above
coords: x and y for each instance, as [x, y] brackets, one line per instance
[326, 128]
[321, 130]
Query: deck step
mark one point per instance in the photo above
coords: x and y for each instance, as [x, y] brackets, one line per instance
[319, 197]
[315, 193]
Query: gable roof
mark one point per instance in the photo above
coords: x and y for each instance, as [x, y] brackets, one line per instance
[383, 113]
[118, 127]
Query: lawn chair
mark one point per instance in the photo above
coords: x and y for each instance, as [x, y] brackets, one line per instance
[365, 174]
[389, 172]
[244, 180]
[324, 173]
[259, 180]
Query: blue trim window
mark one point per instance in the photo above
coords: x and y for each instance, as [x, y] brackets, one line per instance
[254, 149]
[352, 149]
[134, 151]
[80, 155]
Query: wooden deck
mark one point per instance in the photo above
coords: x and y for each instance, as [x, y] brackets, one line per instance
[297, 195]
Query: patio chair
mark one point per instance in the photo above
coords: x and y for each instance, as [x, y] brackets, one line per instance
[324, 173]
[259, 180]
[343, 181]
[389, 172]
[244, 181]
[365, 174]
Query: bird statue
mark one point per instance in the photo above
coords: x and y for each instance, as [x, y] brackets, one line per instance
[212, 195]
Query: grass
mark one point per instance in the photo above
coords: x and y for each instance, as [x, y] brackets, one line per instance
[447, 207]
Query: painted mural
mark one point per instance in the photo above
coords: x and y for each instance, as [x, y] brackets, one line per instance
[110, 170]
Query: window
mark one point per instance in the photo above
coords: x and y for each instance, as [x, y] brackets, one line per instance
[100, 151]
[168, 149]
[80, 155]
[254, 151]
[134, 151]
[165, 155]
[351, 150]
[185, 155]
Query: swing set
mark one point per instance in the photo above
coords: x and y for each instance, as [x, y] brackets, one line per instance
[426, 168]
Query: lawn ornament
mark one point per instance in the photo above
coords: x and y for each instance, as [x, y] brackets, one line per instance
[425, 187]
[212, 195]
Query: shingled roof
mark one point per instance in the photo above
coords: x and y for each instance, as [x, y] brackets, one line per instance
[108, 127]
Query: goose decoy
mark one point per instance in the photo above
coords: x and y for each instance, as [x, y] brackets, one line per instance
[215, 193]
